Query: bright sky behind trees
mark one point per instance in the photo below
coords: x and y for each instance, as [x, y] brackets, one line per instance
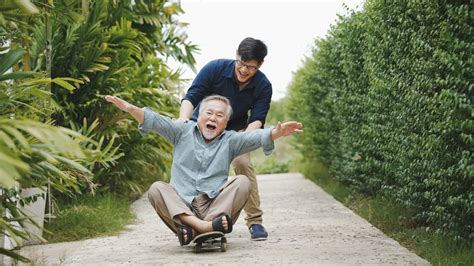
[289, 29]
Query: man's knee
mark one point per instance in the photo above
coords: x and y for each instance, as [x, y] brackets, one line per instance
[243, 183]
[241, 162]
[155, 192]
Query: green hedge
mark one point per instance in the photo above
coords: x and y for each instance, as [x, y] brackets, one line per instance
[386, 99]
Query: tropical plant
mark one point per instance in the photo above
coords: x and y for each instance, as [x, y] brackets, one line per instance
[34, 152]
[120, 48]
[31, 153]
[57, 61]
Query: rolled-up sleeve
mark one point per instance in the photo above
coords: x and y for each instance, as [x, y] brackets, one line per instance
[164, 126]
[267, 143]
[243, 142]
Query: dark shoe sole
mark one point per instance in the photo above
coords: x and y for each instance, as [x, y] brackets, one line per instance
[259, 239]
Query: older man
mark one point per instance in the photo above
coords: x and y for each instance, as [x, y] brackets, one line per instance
[201, 197]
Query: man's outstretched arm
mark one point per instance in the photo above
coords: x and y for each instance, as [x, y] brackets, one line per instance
[123, 105]
[149, 120]
[243, 142]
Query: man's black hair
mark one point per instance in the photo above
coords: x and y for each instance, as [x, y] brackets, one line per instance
[252, 49]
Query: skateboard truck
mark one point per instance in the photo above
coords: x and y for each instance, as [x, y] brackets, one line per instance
[210, 241]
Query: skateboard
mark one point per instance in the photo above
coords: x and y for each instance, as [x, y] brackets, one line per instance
[210, 241]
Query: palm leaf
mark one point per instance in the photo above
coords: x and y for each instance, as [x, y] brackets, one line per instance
[14, 255]
[17, 75]
[26, 6]
[9, 59]
[8, 176]
[64, 84]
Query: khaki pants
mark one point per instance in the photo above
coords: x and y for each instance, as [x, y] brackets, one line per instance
[243, 166]
[168, 204]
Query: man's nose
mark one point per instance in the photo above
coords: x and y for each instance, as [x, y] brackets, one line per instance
[244, 69]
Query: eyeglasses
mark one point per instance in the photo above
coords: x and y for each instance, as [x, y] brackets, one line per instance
[249, 67]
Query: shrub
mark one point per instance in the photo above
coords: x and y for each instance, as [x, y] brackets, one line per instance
[386, 99]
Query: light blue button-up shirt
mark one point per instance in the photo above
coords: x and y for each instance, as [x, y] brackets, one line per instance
[199, 166]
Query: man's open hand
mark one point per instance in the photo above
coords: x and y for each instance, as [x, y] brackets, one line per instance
[136, 112]
[286, 129]
[121, 104]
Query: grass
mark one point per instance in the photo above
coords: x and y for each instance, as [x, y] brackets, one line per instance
[394, 221]
[282, 159]
[89, 216]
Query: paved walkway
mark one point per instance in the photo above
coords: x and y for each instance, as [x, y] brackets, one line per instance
[305, 224]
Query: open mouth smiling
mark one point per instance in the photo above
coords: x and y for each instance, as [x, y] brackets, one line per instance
[243, 75]
[211, 127]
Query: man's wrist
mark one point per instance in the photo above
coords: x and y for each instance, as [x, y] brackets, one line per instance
[275, 134]
[132, 108]
[254, 125]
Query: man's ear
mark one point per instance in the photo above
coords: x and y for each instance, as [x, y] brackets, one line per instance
[261, 63]
[237, 55]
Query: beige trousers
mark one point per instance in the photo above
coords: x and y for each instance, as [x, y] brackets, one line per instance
[243, 166]
[168, 204]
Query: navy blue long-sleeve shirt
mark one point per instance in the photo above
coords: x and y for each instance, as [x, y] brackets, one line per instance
[217, 77]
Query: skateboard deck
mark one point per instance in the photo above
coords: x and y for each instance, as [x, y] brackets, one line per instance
[210, 241]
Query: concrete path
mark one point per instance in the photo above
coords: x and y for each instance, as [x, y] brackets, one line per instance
[305, 225]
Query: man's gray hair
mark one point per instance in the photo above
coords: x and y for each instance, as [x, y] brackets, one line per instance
[217, 98]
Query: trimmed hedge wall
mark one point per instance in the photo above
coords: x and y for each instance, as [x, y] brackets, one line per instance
[386, 99]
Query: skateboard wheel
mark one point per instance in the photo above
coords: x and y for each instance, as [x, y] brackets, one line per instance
[223, 244]
[198, 248]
